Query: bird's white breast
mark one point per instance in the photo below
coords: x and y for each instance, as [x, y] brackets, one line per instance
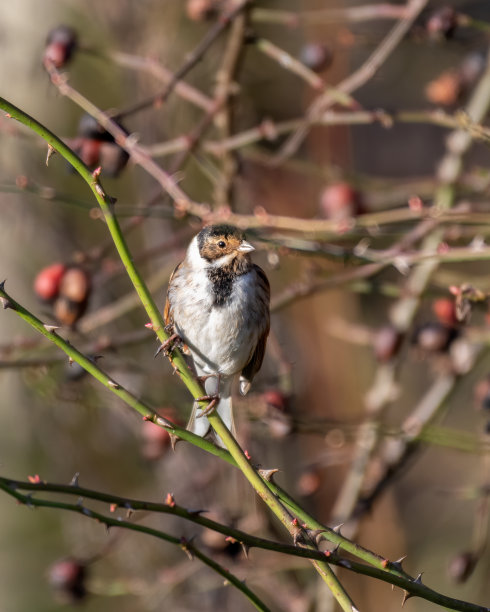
[220, 337]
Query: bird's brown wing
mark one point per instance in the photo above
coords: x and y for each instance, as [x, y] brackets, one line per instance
[255, 363]
[167, 311]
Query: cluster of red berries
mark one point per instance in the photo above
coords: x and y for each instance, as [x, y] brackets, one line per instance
[67, 288]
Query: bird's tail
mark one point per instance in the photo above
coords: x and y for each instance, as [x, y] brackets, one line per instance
[199, 424]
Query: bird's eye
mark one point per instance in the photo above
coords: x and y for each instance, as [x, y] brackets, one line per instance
[221, 244]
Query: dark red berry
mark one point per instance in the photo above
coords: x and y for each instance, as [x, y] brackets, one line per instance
[340, 201]
[386, 343]
[318, 57]
[61, 43]
[461, 566]
[442, 23]
[68, 577]
[445, 311]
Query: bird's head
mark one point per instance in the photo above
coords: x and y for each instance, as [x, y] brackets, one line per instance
[221, 244]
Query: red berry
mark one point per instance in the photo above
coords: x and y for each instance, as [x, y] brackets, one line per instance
[201, 10]
[340, 201]
[155, 439]
[47, 282]
[445, 311]
[309, 482]
[275, 398]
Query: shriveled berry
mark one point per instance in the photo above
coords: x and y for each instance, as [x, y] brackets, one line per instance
[47, 282]
[68, 312]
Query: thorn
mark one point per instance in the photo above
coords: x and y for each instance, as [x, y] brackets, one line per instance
[99, 190]
[74, 480]
[173, 440]
[316, 534]
[418, 580]
[163, 422]
[52, 329]
[398, 563]
[184, 545]
[168, 344]
[245, 548]
[337, 528]
[2, 285]
[6, 303]
[298, 535]
[50, 153]
[107, 527]
[160, 349]
[113, 384]
[197, 512]
[268, 474]
[406, 597]
[129, 513]
[70, 361]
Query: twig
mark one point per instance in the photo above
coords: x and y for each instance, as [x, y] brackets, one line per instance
[193, 58]
[356, 79]
[188, 547]
[403, 312]
[387, 573]
[367, 12]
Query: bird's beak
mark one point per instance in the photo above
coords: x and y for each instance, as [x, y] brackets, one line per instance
[245, 247]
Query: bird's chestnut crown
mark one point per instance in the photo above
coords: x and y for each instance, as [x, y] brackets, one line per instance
[216, 241]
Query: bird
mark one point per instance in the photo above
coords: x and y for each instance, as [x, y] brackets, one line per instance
[218, 305]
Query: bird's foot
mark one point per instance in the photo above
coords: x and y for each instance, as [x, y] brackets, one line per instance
[211, 407]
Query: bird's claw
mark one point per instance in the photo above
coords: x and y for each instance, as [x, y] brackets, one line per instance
[168, 345]
[211, 407]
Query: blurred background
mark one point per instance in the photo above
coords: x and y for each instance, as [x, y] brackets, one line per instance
[318, 402]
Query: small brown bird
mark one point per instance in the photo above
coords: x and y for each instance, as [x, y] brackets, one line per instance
[218, 303]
